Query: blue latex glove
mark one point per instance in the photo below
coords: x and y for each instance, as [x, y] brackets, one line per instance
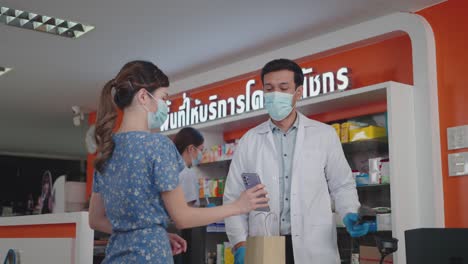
[239, 255]
[355, 230]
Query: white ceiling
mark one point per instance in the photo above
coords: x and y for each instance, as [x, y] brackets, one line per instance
[53, 73]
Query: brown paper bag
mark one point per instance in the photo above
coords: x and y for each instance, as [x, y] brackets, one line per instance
[265, 250]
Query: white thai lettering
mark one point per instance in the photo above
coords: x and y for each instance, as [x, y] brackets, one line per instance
[241, 104]
[328, 83]
[232, 105]
[247, 94]
[222, 108]
[343, 79]
[212, 108]
[257, 100]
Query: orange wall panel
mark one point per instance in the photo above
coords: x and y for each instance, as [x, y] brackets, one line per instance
[449, 22]
[39, 231]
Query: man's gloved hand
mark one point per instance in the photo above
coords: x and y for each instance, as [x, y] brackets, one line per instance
[355, 230]
[239, 255]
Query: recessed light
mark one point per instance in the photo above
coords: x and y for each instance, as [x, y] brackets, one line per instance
[42, 23]
[4, 70]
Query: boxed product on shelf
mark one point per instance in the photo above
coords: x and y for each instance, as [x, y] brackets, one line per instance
[219, 152]
[374, 170]
[220, 254]
[384, 222]
[228, 256]
[385, 171]
[369, 132]
[220, 190]
[345, 130]
[201, 187]
[211, 187]
[371, 255]
[362, 179]
[379, 170]
[223, 254]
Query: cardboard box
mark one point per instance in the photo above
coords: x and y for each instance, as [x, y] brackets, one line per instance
[371, 255]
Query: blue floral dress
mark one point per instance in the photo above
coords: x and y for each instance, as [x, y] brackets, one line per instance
[141, 167]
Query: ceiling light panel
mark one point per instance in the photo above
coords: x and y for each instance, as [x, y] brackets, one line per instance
[42, 23]
[4, 70]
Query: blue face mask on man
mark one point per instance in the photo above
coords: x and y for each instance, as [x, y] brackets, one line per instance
[279, 105]
[157, 119]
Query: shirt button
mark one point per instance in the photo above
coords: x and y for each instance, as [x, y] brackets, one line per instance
[282, 219]
[284, 135]
[287, 177]
[287, 199]
[285, 155]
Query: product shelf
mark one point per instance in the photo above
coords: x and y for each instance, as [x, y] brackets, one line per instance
[380, 144]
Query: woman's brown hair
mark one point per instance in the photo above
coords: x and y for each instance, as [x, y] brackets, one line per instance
[119, 93]
[188, 136]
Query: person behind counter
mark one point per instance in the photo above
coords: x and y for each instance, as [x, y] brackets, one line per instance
[301, 161]
[135, 184]
[189, 143]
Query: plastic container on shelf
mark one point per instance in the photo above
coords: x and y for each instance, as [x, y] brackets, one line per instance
[385, 171]
[366, 133]
[374, 170]
[362, 179]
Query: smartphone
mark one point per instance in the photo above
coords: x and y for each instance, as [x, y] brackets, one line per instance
[251, 180]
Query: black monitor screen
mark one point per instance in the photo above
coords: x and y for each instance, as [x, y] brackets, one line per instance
[437, 246]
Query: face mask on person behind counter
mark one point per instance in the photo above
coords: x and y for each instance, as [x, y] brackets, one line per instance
[198, 159]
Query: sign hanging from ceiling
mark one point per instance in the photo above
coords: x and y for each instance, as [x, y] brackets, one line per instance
[192, 111]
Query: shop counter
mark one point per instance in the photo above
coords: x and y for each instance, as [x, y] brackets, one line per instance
[50, 238]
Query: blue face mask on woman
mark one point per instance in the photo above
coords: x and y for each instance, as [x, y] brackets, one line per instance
[278, 105]
[157, 119]
[196, 161]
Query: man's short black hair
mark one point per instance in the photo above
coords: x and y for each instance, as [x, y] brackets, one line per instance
[284, 64]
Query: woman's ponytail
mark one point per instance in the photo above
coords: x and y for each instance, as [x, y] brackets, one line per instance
[105, 123]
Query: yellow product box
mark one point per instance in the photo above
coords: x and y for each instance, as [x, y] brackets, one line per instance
[228, 256]
[369, 132]
[337, 127]
[346, 127]
[344, 135]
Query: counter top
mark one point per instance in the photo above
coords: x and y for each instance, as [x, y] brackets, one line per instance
[48, 238]
[59, 218]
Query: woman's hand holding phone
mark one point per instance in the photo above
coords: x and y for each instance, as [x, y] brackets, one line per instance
[252, 199]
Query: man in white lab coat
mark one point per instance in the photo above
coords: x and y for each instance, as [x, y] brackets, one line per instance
[302, 164]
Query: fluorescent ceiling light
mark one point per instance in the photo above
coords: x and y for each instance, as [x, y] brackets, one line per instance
[47, 24]
[4, 70]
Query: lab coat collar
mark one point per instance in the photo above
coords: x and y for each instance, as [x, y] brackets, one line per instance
[303, 122]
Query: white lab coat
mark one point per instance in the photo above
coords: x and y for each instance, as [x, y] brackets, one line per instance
[320, 173]
[188, 180]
